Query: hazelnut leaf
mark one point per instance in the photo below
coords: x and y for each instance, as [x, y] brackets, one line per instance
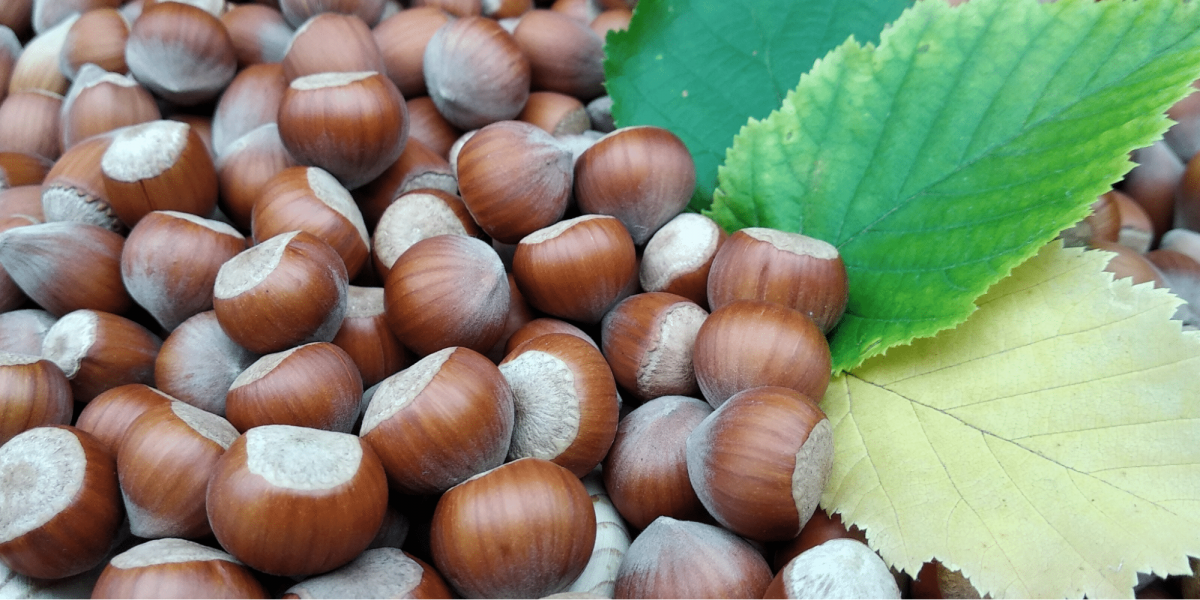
[944, 157]
[1046, 447]
[700, 68]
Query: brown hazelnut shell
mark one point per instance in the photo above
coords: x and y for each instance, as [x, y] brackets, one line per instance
[65, 266]
[279, 491]
[792, 269]
[645, 472]
[752, 343]
[77, 529]
[315, 385]
[351, 124]
[441, 421]
[36, 393]
[524, 529]
[98, 351]
[643, 176]
[429, 309]
[166, 457]
[285, 291]
[566, 402]
[577, 269]
[175, 568]
[759, 463]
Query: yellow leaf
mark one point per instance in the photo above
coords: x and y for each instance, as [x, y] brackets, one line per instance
[1048, 446]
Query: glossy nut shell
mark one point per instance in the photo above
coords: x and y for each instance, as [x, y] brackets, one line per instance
[281, 491]
[522, 530]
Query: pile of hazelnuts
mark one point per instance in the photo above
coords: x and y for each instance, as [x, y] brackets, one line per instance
[339, 298]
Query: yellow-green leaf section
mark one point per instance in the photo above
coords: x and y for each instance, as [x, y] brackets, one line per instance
[1049, 446]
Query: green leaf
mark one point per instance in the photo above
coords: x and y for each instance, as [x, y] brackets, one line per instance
[949, 154]
[700, 68]
[1046, 447]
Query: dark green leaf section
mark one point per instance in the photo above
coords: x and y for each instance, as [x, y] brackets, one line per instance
[948, 155]
[700, 67]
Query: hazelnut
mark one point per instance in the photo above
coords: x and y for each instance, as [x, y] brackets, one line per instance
[36, 393]
[285, 291]
[37, 68]
[180, 52]
[377, 573]
[752, 343]
[1182, 276]
[514, 178]
[555, 113]
[583, 11]
[166, 567]
[1152, 183]
[578, 268]
[1130, 264]
[97, 37]
[564, 55]
[428, 307]
[524, 530]
[198, 362]
[643, 176]
[100, 101]
[476, 72]
[18, 169]
[279, 491]
[65, 266]
[648, 341]
[613, 19]
[159, 165]
[331, 42]
[247, 164]
[170, 261]
[250, 101]
[352, 124]
[310, 199]
[314, 385]
[429, 127]
[10, 50]
[98, 351]
[1103, 223]
[792, 269]
[566, 402]
[62, 506]
[457, 8]
[166, 457]
[401, 39]
[17, 16]
[109, 415]
[820, 528]
[759, 463]
[441, 421]
[662, 563]
[29, 120]
[600, 112]
[298, 11]
[74, 187]
[366, 337]
[259, 33]
[418, 215]
[543, 326]
[599, 578]
[22, 330]
[645, 472]
[11, 296]
[418, 168]
[679, 256]
[838, 568]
